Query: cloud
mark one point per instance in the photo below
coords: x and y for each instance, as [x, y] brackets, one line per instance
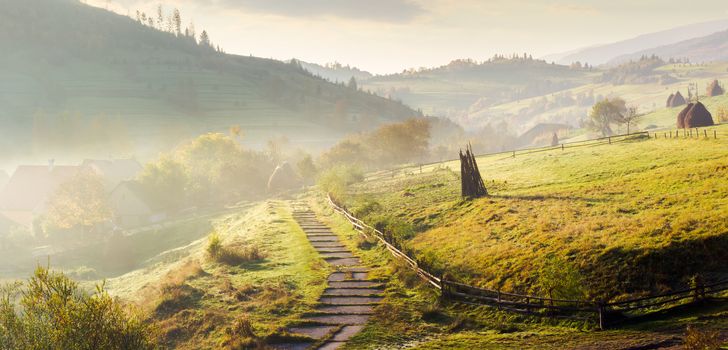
[394, 11]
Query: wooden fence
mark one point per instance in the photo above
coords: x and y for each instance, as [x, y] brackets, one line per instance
[614, 139]
[602, 313]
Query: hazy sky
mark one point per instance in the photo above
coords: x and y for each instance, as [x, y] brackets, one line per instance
[389, 35]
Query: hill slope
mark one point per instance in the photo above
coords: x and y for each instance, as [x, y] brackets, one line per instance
[626, 215]
[599, 54]
[67, 61]
[451, 89]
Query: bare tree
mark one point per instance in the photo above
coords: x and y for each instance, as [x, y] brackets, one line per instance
[631, 116]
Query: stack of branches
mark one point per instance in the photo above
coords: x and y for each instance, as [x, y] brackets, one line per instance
[472, 183]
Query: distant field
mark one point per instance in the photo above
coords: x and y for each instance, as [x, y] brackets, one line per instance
[635, 217]
[650, 98]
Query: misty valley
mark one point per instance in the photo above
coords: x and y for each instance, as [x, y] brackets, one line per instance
[398, 174]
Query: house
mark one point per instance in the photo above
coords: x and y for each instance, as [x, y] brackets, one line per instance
[113, 171]
[25, 195]
[132, 206]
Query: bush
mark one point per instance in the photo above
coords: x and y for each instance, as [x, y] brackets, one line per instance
[214, 245]
[560, 279]
[237, 256]
[231, 255]
[55, 314]
[335, 180]
[722, 114]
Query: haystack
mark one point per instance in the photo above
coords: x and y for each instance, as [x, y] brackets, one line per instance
[668, 104]
[677, 100]
[284, 178]
[554, 140]
[698, 116]
[681, 116]
[714, 89]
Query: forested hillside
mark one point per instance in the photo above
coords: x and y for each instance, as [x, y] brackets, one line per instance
[78, 77]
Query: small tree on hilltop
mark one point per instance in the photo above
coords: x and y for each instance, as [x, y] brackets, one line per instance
[605, 113]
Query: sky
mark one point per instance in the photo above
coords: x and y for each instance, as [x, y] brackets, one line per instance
[387, 36]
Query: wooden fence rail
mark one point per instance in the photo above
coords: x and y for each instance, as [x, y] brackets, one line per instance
[603, 313]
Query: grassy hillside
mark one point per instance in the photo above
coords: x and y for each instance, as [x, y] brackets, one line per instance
[451, 89]
[69, 65]
[634, 218]
[199, 302]
[412, 315]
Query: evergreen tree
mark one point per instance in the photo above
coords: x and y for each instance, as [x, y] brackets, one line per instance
[204, 39]
[352, 84]
[177, 22]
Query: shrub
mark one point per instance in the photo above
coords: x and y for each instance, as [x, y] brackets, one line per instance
[54, 313]
[560, 279]
[232, 255]
[335, 180]
[237, 256]
[722, 114]
[214, 245]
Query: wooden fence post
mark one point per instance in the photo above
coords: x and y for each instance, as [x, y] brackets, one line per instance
[562, 146]
[705, 133]
[602, 310]
[715, 134]
[610, 139]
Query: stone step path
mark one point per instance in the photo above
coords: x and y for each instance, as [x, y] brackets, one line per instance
[349, 299]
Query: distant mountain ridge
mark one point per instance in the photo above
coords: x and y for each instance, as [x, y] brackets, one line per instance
[710, 48]
[601, 54]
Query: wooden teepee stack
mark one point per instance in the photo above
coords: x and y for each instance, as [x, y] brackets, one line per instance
[472, 183]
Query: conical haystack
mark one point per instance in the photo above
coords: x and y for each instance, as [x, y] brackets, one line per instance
[677, 100]
[284, 178]
[681, 116]
[714, 89]
[555, 140]
[472, 185]
[698, 116]
[668, 104]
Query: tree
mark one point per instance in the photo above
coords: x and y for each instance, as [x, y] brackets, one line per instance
[166, 182]
[78, 203]
[50, 311]
[160, 17]
[605, 113]
[559, 279]
[306, 168]
[352, 84]
[177, 22]
[204, 39]
[631, 116]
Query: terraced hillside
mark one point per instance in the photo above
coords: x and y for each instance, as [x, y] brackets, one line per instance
[632, 218]
[110, 82]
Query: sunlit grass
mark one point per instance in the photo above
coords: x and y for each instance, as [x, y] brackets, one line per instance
[635, 217]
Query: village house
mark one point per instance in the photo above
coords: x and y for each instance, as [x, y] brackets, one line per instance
[25, 195]
[132, 206]
[113, 171]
